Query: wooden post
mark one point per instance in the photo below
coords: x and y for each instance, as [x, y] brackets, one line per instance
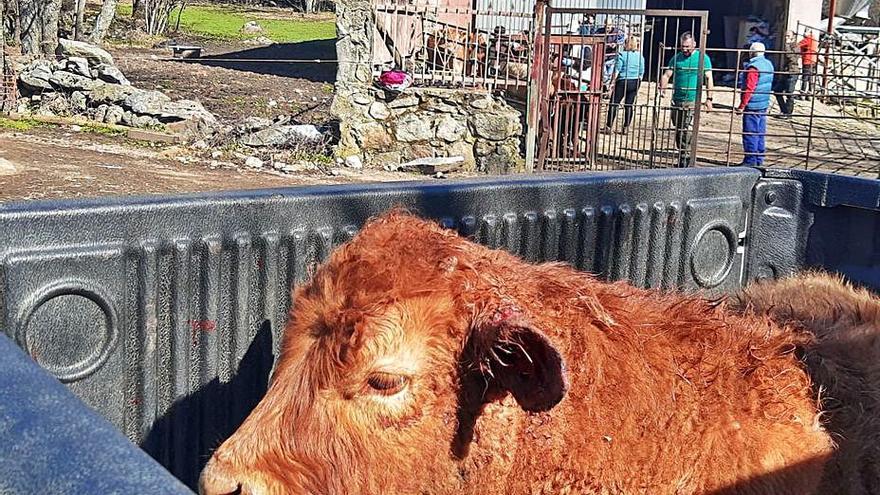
[533, 111]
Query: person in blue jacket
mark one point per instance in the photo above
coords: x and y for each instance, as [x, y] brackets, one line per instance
[628, 73]
[756, 84]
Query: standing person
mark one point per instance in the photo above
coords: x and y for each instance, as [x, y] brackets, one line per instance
[809, 47]
[577, 59]
[683, 69]
[587, 25]
[756, 86]
[614, 38]
[788, 73]
[628, 72]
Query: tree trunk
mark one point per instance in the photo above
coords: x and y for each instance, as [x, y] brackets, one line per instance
[29, 14]
[49, 26]
[67, 20]
[2, 34]
[102, 23]
[78, 33]
[179, 15]
[2, 53]
[15, 8]
[138, 14]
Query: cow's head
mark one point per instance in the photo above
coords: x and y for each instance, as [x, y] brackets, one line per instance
[393, 350]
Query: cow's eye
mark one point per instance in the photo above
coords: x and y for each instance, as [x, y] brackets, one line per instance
[387, 383]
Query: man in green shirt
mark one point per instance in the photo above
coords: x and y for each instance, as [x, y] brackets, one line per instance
[684, 69]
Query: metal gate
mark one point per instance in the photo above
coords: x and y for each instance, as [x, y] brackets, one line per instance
[572, 93]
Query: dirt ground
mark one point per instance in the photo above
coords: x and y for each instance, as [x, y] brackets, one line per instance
[235, 81]
[819, 137]
[232, 79]
[50, 163]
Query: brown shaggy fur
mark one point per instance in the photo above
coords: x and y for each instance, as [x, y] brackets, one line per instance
[519, 379]
[843, 357]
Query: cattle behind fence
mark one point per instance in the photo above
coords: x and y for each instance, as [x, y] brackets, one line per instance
[444, 45]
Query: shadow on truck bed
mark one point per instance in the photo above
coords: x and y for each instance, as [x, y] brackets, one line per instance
[186, 436]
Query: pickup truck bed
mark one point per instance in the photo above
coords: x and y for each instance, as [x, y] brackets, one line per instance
[163, 314]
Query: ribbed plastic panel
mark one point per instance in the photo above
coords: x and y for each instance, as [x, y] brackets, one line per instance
[164, 314]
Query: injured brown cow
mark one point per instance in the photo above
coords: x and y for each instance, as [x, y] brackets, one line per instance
[418, 362]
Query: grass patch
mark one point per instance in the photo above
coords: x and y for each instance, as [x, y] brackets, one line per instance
[224, 22]
[19, 125]
[26, 124]
[97, 128]
[315, 157]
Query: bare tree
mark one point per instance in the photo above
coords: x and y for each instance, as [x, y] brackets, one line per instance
[29, 14]
[156, 14]
[5, 99]
[38, 24]
[105, 18]
[14, 9]
[2, 54]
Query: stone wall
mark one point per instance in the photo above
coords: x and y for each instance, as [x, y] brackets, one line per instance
[387, 129]
[84, 81]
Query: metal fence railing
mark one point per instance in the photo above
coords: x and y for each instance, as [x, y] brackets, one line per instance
[830, 128]
[8, 85]
[596, 117]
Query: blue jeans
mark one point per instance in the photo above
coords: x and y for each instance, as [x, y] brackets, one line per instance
[754, 128]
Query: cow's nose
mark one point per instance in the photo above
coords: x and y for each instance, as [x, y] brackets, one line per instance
[217, 479]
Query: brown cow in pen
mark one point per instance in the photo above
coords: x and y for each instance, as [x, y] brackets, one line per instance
[418, 362]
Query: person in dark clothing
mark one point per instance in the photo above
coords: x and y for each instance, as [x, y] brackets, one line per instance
[786, 79]
[614, 38]
[628, 72]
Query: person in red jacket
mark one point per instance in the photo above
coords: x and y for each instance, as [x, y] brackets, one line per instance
[809, 57]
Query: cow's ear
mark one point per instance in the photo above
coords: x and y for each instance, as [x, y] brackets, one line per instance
[520, 359]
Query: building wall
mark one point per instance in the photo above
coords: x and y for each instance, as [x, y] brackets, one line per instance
[488, 23]
[808, 12]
